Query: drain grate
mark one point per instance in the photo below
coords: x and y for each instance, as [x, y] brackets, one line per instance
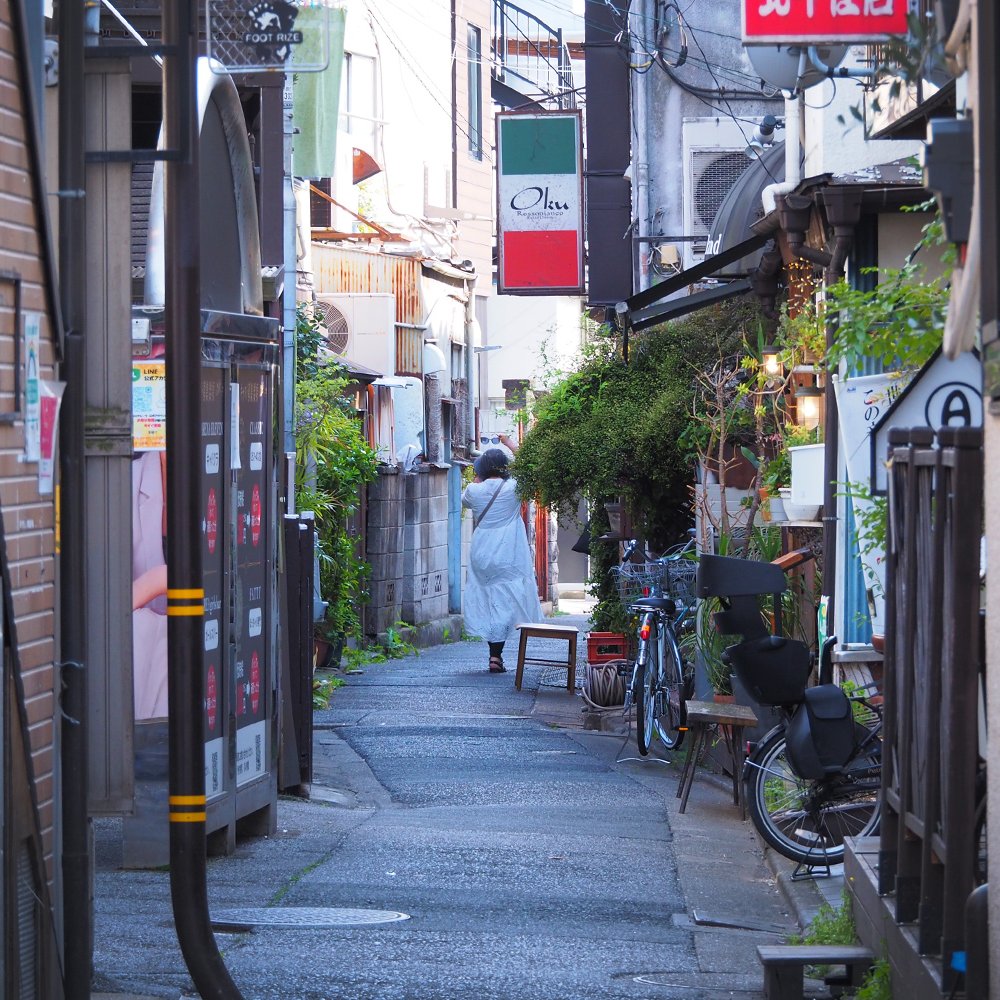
[301, 917]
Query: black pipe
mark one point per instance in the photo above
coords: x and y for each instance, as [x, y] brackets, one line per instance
[185, 595]
[76, 863]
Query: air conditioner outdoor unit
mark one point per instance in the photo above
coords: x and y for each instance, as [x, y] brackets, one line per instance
[713, 162]
[361, 327]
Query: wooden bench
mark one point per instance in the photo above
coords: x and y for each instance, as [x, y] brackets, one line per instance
[784, 965]
[729, 720]
[566, 632]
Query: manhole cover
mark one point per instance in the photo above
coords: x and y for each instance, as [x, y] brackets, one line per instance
[307, 917]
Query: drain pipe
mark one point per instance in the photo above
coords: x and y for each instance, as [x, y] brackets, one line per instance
[793, 152]
[185, 596]
[470, 356]
[843, 212]
[290, 287]
[76, 831]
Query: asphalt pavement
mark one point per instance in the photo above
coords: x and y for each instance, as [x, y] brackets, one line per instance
[466, 841]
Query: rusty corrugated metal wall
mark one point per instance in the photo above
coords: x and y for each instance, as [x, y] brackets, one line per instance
[349, 269]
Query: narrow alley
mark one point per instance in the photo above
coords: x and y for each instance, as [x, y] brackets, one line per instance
[529, 862]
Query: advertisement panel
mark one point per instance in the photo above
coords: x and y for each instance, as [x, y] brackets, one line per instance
[251, 668]
[540, 203]
[807, 22]
[213, 548]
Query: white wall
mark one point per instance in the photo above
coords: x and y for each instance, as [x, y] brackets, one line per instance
[834, 138]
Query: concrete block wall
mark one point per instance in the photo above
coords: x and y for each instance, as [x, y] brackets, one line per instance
[385, 551]
[425, 545]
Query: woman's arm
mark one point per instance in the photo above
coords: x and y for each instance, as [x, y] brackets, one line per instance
[509, 442]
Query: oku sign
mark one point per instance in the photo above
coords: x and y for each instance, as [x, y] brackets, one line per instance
[807, 22]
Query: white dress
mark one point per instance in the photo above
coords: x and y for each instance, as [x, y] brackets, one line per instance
[500, 590]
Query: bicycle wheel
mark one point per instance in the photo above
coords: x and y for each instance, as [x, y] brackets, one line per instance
[646, 697]
[671, 718]
[807, 821]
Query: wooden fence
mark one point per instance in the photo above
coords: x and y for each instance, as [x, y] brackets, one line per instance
[933, 662]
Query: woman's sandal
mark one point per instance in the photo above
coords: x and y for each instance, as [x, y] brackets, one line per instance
[496, 665]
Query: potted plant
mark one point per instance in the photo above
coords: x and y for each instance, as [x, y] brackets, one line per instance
[775, 475]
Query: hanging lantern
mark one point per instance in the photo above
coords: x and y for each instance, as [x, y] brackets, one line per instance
[807, 406]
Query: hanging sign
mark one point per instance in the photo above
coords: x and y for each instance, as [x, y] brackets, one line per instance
[809, 22]
[540, 203]
[944, 393]
[268, 35]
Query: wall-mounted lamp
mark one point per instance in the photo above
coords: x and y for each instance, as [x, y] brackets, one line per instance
[807, 406]
[763, 135]
[771, 360]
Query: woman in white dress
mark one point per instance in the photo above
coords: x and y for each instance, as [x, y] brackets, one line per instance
[500, 591]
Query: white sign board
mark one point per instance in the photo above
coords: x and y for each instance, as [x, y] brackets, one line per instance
[943, 393]
[861, 402]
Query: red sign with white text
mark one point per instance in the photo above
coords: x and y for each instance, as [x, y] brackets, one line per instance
[805, 22]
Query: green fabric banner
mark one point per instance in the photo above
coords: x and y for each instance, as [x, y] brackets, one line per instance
[316, 96]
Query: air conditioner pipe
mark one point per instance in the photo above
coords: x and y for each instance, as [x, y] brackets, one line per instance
[838, 72]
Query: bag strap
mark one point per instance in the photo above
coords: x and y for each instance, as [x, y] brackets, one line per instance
[476, 521]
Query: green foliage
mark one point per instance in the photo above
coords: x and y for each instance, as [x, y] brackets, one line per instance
[609, 430]
[878, 982]
[333, 463]
[829, 925]
[898, 324]
[323, 687]
[394, 647]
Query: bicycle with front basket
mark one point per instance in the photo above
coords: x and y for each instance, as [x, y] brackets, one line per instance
[661, 593]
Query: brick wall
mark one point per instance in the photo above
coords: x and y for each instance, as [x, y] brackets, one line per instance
[28, 517]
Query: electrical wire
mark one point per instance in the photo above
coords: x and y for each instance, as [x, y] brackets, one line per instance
[409, 63]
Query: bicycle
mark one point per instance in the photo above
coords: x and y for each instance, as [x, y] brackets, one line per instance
[815, 778]
[661, 593]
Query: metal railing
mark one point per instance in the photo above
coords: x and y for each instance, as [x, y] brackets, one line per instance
[933, 664]
[531, 52]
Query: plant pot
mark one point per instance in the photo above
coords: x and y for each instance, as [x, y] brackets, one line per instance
[772, 508]
[807, 474]
[327, 652]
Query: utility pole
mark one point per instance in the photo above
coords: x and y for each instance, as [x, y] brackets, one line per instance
[185, 593]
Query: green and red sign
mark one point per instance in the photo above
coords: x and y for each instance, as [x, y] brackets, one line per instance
[540, 203]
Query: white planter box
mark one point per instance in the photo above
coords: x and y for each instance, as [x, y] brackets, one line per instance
[807, 474]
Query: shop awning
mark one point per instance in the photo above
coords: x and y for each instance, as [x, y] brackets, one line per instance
[708, 268]
[742, 208]
[660, 312]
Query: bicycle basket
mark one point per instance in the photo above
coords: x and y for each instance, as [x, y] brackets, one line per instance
[674, 578]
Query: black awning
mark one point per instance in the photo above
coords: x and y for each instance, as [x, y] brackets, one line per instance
[708, 267]
[661, 312]
[741, 209]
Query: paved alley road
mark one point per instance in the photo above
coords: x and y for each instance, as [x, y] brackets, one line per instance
[530, 865]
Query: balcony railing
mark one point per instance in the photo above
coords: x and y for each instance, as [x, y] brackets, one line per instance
[530, 56]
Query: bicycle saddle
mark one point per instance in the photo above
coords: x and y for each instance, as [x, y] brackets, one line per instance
[665, 604]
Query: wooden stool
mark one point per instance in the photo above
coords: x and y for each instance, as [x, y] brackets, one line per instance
[566, 632]
[730, 720]
[784, 965]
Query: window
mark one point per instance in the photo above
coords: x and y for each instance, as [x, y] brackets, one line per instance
[475, 62]
[358, 100]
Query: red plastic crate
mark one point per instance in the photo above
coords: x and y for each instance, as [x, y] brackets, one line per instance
[605, 646]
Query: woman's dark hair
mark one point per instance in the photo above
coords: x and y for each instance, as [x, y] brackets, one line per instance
[491, 464]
